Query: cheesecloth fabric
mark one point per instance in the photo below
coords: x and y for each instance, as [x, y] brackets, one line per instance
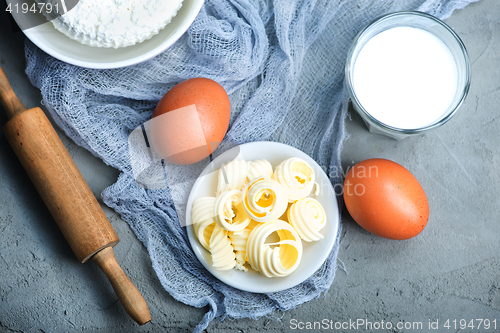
[282, 63]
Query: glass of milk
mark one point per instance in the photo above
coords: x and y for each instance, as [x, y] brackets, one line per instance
[407, 72]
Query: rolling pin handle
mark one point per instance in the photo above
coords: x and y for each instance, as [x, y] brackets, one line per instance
[8, 98]
[131, 299]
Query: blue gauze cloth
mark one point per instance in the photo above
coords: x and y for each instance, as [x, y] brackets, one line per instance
[282, 63]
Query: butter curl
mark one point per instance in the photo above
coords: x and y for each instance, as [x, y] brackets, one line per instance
[259, 168]
[232, 176]
[297, 176]
[239, 241]
[202, 216]
[229, 212]
[277, 259]
[223, 257]
[308, 217]
[264, 199]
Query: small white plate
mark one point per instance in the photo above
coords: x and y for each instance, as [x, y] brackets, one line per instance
[314, 254]
[60, 46]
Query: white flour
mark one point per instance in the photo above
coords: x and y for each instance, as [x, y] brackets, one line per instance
[116, 23]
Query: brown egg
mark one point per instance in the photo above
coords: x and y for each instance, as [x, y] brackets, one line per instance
[384, 198]
[190, 121]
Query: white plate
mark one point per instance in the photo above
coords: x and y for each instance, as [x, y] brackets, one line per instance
[58, 45]
[314, 254]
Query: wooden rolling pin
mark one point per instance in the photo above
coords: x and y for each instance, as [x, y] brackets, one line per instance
[67, 195]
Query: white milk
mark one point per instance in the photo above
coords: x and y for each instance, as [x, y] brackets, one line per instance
[405, 77]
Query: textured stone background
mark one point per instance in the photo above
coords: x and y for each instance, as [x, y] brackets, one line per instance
[450, 271]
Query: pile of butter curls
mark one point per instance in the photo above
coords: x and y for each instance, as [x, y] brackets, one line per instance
[251, 204]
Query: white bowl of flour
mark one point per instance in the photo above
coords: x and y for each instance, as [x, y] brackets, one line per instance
[94, 38]
[407, 72]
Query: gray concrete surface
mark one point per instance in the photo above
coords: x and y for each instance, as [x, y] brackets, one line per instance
[451, 271]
